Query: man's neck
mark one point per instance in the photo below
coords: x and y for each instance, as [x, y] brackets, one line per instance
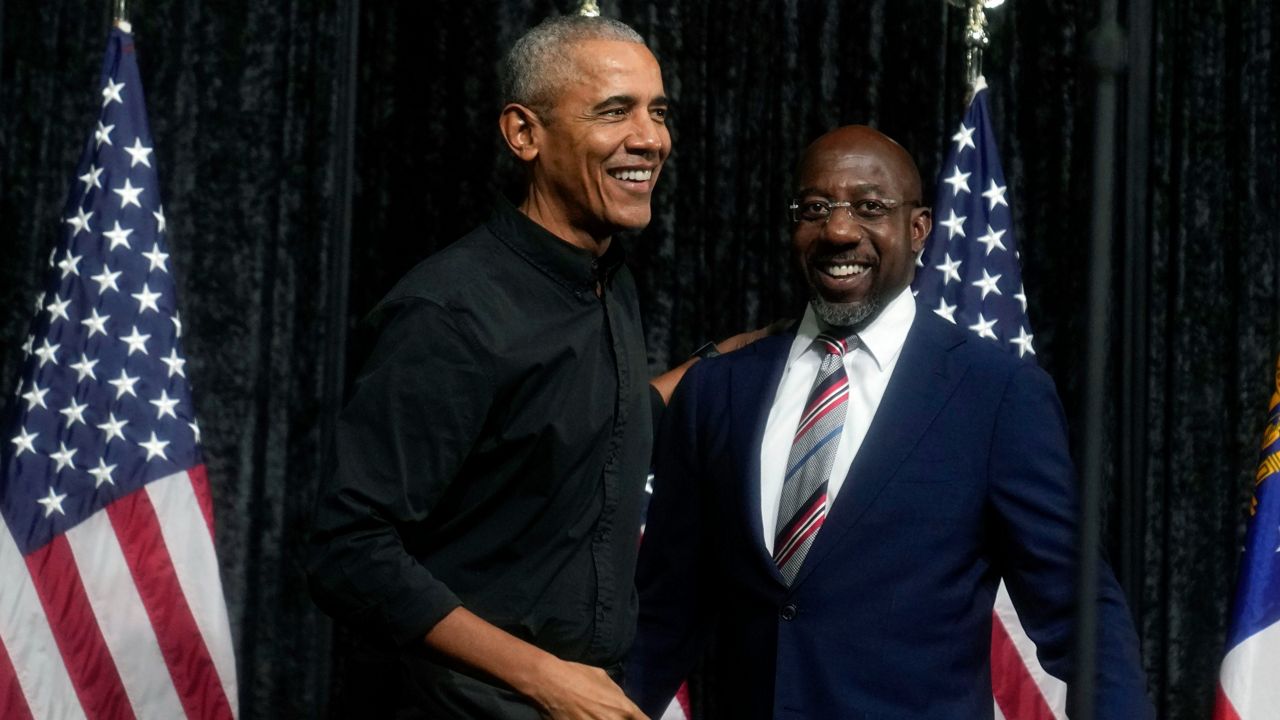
[539, 210]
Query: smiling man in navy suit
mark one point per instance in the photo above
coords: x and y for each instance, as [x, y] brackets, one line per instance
[837, 505]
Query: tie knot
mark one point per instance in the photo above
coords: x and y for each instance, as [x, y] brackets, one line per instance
[833, 345]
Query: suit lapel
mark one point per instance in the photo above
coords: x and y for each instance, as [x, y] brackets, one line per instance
[753, 382]
[924, 378]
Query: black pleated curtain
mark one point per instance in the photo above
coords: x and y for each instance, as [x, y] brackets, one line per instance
[249, 106]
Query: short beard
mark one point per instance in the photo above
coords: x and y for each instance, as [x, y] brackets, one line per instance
[843, 315]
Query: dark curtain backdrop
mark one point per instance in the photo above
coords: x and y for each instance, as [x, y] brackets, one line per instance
[247, 106]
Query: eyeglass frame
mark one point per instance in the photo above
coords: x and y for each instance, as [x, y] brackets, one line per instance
[892, 205]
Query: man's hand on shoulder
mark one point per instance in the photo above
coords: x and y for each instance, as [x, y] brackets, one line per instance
[561, 690]
[742, 340]
[666, 383]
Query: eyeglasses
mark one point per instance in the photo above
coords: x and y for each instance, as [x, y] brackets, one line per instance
[866, 210]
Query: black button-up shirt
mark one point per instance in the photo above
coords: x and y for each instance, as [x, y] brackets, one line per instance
[494, 452]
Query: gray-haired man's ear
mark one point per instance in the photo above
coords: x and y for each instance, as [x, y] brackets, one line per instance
[521, 130]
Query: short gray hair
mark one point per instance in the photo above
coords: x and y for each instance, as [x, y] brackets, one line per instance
[538, 64]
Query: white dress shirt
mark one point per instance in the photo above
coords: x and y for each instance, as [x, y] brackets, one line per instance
[869, 363]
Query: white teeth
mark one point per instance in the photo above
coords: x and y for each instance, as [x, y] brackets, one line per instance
[846, 270]
[633, 175]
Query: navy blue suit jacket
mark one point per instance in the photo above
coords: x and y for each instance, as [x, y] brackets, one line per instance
[964, 477]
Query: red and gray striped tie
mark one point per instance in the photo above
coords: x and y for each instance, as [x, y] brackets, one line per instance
[804, 488]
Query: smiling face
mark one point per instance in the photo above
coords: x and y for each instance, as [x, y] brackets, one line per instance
[863, 255]
[596, 155]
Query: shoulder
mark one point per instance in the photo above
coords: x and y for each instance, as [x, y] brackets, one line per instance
[456, 274]
[741, 369]
[964, 345]
[986, 368]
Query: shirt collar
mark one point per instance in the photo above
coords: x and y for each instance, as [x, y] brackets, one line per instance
[570, 265]
[883, 338]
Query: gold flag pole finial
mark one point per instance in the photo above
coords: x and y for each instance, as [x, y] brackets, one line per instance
[976, 38]
[589, 8]
[121, 13]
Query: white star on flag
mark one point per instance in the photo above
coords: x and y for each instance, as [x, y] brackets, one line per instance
[47, 353]
[992, 239]
[950, 269]
[146, 299]
[63, 457]
[155, 448]
[128, 194]
[84, 368]
[90, 179]
[74, 413]
[958, 181]
[96, 323]
[103, 134]
[138, 153]
[157, 258]
[165, 405]
[102, 473]
[69, 265]
[111, 93]
[114, 428]
[988, 284]
[118, 236]
[124, 384]
[946, 311]
[25, 442]
[995, 195]
[80, 222]
[1023, 341]
[984, 327]
[954, 225]
[106, 280]
[175, 363]
[53, 503]
[137, 341]
[58, 308]
[35, 396]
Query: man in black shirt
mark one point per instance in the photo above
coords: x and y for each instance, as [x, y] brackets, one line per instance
[484, 508]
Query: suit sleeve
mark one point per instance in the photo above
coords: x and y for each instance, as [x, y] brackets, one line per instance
[417, 408]
[1036, 509]
[671, 573]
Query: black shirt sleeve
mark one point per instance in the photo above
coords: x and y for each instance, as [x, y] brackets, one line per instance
[419, 403]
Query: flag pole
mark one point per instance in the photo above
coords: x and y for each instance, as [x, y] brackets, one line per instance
[976, 38]
[121, 15]
[1107, 55]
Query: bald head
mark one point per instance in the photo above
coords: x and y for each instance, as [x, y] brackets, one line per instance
[860, 141]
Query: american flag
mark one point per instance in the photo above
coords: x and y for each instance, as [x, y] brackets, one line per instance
[969, 274]
[111, 604]
[1247, 688]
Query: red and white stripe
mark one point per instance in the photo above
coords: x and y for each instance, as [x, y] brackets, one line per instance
[835, 396]
[805, 526]
[1021, 688]
[1247, 685]
[679, 708]
[122, 616]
